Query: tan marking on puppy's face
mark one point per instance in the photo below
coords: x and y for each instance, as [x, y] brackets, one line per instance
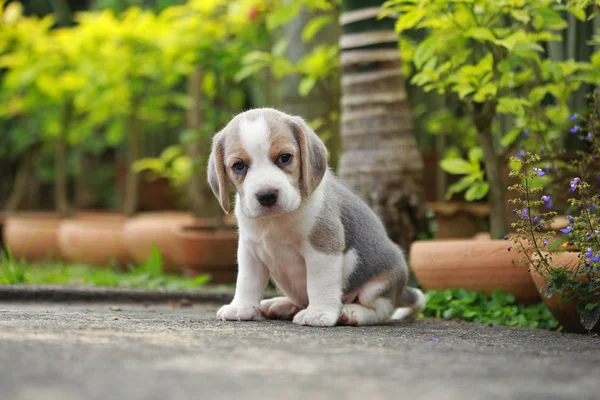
[266, 151]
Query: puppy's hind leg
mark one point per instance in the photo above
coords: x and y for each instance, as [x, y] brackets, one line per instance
[411, 301]
[278, 308]
[374, 305]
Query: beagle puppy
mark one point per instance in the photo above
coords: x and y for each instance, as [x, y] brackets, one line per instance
[298, 224]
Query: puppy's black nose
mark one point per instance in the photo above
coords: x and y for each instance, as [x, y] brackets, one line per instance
[267, 197]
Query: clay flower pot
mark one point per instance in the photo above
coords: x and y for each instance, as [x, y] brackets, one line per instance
[94, 240]
[482, 265]
[458, 219]
[32, 236]
[564, 311]
[145, 231]
[204, 248]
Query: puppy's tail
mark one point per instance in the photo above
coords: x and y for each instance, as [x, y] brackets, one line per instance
[411, 302]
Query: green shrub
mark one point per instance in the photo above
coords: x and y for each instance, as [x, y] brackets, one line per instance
[499, 308]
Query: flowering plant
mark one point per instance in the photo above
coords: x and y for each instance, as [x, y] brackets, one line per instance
[534, 205]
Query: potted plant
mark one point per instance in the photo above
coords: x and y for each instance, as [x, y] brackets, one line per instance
[137, 91]
[491, 62]
[566, 270]
[30, 235]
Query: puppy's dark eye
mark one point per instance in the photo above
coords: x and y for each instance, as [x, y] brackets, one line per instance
[284, 159]
[239, 167]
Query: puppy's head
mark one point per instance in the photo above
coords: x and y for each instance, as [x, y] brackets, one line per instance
[274, 161]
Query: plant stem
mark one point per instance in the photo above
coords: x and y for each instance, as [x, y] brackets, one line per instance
[20, 183]
[134, 153]
[61, 200]
[493, 168]
[196, 187]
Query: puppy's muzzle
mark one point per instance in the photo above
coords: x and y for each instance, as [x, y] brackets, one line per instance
[267, 198]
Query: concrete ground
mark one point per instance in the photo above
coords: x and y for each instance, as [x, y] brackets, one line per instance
[132, 351]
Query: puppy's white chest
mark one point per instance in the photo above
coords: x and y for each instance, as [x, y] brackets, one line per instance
[283, 258]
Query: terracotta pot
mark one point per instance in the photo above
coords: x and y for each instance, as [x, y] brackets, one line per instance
[32, 236]
[564, 311]
[98, 241]
[202, 248]
[155, 193]
[145, 231]
[458, 219]
[482, 265]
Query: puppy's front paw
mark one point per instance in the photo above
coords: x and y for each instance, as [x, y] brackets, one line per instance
[320, 317]
[235, 312]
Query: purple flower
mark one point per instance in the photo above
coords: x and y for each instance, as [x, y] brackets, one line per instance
[574, 184]
[542, 225]
[588, 237]
[545, 198]
[549, 204]
[589, 253]
[521, 155]
[571, 220]
[505, 237]
[524, 213]
[534, 219]
[595, 259]
[574, 129]
[434, 339]
[567, 230]
[539, 171]
[574, 117]
[589, 137]
[592, 207]
[545, 243]
[542, 150]
[526, 133]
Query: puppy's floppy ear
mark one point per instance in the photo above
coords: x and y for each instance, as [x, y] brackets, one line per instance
[313, 156]
[217, 176]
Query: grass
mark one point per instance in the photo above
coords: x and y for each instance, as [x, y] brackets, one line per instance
[149, 275]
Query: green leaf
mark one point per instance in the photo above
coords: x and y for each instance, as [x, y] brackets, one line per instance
[282, 15]
[510, 137]
[410, 19]
[424, 52]
[306, 85]
[209, 84]
[589, 318]
[280, 47]
[481, 33]
[459, 186]
[548, 18]
[151, 164]
[477, 191]
[508, 105]
[248, 71]
[314, 26]
[537, 94]
[456, 166]
[475, 155]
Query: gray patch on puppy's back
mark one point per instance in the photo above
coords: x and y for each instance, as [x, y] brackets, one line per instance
[364, 232]
[327, 235]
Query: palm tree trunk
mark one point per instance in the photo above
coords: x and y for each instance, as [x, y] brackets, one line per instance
[380, 159]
